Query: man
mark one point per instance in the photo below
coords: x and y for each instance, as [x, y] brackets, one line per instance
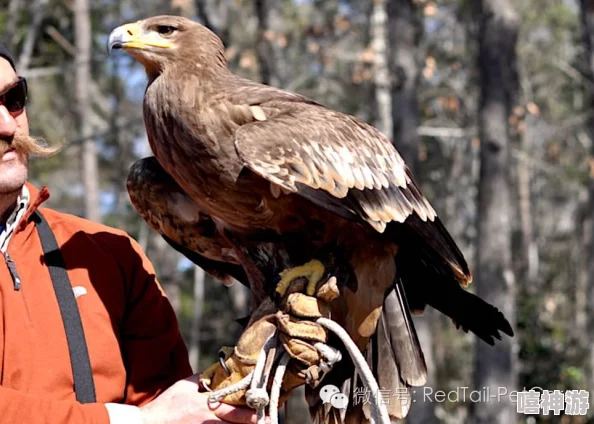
[129, 330]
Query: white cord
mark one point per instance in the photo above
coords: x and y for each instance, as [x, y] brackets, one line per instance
[219, 395]
[331, 356]
[257, 396]
[379, 411]
[277, 383]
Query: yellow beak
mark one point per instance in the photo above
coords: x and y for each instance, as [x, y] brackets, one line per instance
[132, 36]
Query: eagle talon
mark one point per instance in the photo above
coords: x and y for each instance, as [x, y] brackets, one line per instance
[222, 359]
[205, 378]
[313, 271]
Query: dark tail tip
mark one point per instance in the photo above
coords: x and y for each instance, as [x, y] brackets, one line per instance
[483, 319]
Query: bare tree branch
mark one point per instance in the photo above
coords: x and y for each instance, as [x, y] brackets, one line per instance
[14, 7]
[194, 348]
[47, 71]
[38, 12]
[61, 40]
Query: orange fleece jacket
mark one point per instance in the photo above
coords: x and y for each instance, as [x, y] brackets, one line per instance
[132, 333]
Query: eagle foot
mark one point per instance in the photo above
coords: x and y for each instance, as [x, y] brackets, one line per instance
[313, 271]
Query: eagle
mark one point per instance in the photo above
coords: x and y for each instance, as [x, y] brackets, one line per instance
[249, 180]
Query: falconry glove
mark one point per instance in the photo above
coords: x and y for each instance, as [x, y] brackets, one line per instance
[287, 337]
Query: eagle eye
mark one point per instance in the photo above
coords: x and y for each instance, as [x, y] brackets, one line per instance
[166, 30]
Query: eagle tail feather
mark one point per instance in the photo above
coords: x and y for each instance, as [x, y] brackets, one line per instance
[471, 313]
[396, 330]
[429, 280]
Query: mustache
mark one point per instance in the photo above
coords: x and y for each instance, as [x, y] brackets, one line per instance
[26, 146]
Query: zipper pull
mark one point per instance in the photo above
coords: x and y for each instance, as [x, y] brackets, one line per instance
[13, 271]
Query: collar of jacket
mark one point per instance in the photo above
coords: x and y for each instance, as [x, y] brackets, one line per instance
[37, 198]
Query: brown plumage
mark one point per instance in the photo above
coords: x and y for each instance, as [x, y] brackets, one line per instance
[169, 211]
[285, 180]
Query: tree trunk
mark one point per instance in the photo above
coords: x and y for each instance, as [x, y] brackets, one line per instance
[529, 247]
[90, 174]
[240, 296]
[422, 411]
[38, 13]
[587, 12]
[404, 25]
[166, 260]
[214, 14]
[185, 8]
[270, 27]
[495, 367]
[404, 31]
[14, 8]
[381, 73]
[194, 348]
[530, 255]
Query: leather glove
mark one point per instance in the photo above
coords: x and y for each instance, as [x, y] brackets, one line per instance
[298, 335]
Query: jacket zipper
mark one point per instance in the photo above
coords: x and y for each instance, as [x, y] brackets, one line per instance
[16, 280]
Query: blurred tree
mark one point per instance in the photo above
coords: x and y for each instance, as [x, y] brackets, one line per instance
[587, 14]
[270, 42]
[381, 72]
[498, 26]
[215, 15]
[404, 31]
[185, 8]
[90, 176]
[13, 12]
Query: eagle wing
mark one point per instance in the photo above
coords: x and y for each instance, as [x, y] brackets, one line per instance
[308, 146]
[168, 210]
[343, 164]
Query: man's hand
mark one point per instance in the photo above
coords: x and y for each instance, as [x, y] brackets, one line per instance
[182, 403]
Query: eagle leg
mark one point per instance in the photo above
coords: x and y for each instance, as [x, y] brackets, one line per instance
[312, 270]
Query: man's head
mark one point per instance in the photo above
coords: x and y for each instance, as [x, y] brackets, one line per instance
[13, 124]
[15, 143]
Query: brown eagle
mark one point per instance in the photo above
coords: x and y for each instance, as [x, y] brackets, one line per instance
[248, 180]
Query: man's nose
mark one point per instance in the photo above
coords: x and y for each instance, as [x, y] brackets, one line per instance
[8, 124]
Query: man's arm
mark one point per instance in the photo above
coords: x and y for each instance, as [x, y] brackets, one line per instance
[160, 378]
[154, 352]
[180, 404]
[17, 407]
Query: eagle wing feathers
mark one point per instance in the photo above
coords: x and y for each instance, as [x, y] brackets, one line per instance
[303, 146]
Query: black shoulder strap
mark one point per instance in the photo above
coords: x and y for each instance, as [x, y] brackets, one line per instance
[84, 387]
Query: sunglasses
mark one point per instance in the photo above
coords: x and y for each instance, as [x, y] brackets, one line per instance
[15, 98]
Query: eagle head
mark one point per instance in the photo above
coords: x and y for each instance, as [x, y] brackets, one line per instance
[163, 41]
